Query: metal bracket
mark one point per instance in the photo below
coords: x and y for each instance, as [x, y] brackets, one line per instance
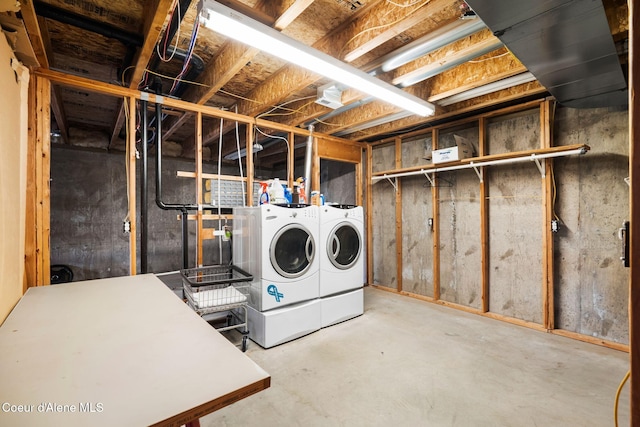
[394, 182]
[479, 172]
[541, 165]
[430, 178]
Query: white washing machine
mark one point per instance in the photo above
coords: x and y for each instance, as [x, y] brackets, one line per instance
[341, 262]
[278, 246]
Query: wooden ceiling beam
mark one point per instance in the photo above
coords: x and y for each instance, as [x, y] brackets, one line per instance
[388, 22]
[231, 59]
[492, 99]
[291, 79]
[36, 37]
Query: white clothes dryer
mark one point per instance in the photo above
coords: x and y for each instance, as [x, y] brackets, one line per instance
[341, 248]
[341, 263]
[278, 246]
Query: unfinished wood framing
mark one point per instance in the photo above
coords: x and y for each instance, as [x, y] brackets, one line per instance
[199, 232]
[369, 210]
[546, 110]
[38, 259]
[546, 136]
[131, 184]
[398, 188]
[435, 206]
[37, 243]
[484, 217]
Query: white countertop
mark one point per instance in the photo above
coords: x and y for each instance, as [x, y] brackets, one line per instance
[122, 351]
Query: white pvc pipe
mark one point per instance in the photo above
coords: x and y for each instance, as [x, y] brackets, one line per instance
[481, 163]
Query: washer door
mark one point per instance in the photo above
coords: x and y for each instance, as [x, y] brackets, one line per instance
[292, 250]
[344, 245]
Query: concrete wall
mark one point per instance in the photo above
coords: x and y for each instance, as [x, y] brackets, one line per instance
[515, 220]
[592, 203]
[591, 286]
[384, 221]
[14, 84]
[89, 205]
[338, 181]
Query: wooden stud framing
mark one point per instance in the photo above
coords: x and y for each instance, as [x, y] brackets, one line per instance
[315, 169]
[435, 207]
[131, 184]
[30, 264]
[369, 220]
[249, 150]
[41, 161]
[546, 135]
[398, 156]
[199, 254]
[634, 211]
[484, 218]
[291, 159]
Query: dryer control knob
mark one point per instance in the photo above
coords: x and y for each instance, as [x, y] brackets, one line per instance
[295, 214]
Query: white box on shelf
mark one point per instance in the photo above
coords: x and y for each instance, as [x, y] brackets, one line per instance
[462, 150]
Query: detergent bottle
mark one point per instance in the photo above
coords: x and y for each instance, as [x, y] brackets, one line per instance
[263, 194]
[276, 191]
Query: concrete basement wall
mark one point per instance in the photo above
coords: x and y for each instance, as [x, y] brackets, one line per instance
[89, 204]
[515, 220]
[591, 285]
[384, 221]
[592, 202]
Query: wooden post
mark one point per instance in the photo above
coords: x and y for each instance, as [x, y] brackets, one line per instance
[546, 135]
[131, 185]
[42, 163]
[398, 165]
[634, 214]
[369, 218]
[30, 263]
[291, 160]
[484, 217]
[250, 173]
[435, 206]
[199, 232]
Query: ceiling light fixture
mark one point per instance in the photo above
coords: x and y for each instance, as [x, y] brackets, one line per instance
[441, 37]
[488, 88]
[232, 24]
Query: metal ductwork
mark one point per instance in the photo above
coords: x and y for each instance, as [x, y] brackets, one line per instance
[566, 44]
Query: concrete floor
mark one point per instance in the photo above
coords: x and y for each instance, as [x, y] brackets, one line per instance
[410, 363]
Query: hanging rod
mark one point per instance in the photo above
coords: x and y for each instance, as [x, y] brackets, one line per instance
[474, 164]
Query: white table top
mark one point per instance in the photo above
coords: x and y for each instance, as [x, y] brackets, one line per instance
[120, 352]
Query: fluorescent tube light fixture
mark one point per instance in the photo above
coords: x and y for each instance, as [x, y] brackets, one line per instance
[234, 25]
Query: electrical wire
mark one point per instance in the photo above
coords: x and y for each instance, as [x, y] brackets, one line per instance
[187, 60]
[489, 58]
[286, 141]
[403, 5]
[166, 35]
[379, 27]
[617, 401]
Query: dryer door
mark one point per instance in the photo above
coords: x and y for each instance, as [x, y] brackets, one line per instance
[292, 250]
[344, 245]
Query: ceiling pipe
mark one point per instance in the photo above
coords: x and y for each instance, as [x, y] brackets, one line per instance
[420, 75]
[441, 37]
